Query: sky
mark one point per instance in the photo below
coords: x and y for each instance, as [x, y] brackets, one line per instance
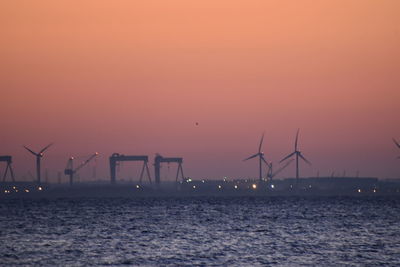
[201, 80]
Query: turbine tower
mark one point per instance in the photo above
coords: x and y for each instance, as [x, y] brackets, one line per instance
[397, 144]
[260, 156]
[38, 158]
[298, 154]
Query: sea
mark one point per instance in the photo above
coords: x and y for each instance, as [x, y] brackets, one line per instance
[201, 231]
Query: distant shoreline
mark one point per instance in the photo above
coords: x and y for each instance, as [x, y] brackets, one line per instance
[310, 187]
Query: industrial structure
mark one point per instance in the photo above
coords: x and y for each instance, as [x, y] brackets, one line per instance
[261, 158]
[116, 158]
[38, 158]
[298, 154]
[69, 169]
[271, 174]
[157, 167]
[397, 144]
[8, 160]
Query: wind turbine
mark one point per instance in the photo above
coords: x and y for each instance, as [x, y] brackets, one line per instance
[260, 156]
[298, 154]
[38, 158]
[397, 144]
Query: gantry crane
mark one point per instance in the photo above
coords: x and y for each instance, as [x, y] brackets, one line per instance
[69, 169]
[115, 158]
[157, 166]
[8, 160]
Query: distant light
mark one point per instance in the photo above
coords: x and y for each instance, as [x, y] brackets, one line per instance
[194, 187]
[5, 191]
[137, 186]
[309, 186]
[236, 186]
[202, 181]
[14, 187]
[16, 191]
[96, 153]
[26, 190]
[40, 188]
[219, 187]
[189, 180]
[359, 190]
[291, 186]
[254, 186]
[374, 190]
[272, 186]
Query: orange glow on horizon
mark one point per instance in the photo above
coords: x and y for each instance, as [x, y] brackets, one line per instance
[203, 80]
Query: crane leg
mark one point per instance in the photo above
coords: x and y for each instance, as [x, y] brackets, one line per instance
[141, 173]
[183, 176]
[148, 172]
[5, 174]
[177, 175]
[12, 173]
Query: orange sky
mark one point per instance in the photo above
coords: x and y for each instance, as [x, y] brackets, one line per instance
[134, 76]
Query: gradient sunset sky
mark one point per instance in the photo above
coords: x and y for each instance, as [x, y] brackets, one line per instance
[134, 77]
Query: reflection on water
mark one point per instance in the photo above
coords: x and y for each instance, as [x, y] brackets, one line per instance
[201, 231]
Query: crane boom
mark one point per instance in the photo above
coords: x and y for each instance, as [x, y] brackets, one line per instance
[282, 168]
[85, 162]
[69, 168]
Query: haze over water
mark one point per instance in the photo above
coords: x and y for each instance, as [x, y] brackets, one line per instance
[252, 231]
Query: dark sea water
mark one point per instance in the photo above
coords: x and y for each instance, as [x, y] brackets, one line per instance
[236, 231]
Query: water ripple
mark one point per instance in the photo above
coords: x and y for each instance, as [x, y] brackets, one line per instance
[201, 232]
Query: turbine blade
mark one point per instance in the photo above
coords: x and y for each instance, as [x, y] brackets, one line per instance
[41, 151]
[288, 156]
[301, 156]
[397, 144]
[30, 151]
[297, 137]
[261, 141]
[255, 155]
[263, 159]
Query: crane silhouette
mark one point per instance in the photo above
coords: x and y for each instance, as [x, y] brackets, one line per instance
[8, 160]
[271, 174]
[69, 170]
